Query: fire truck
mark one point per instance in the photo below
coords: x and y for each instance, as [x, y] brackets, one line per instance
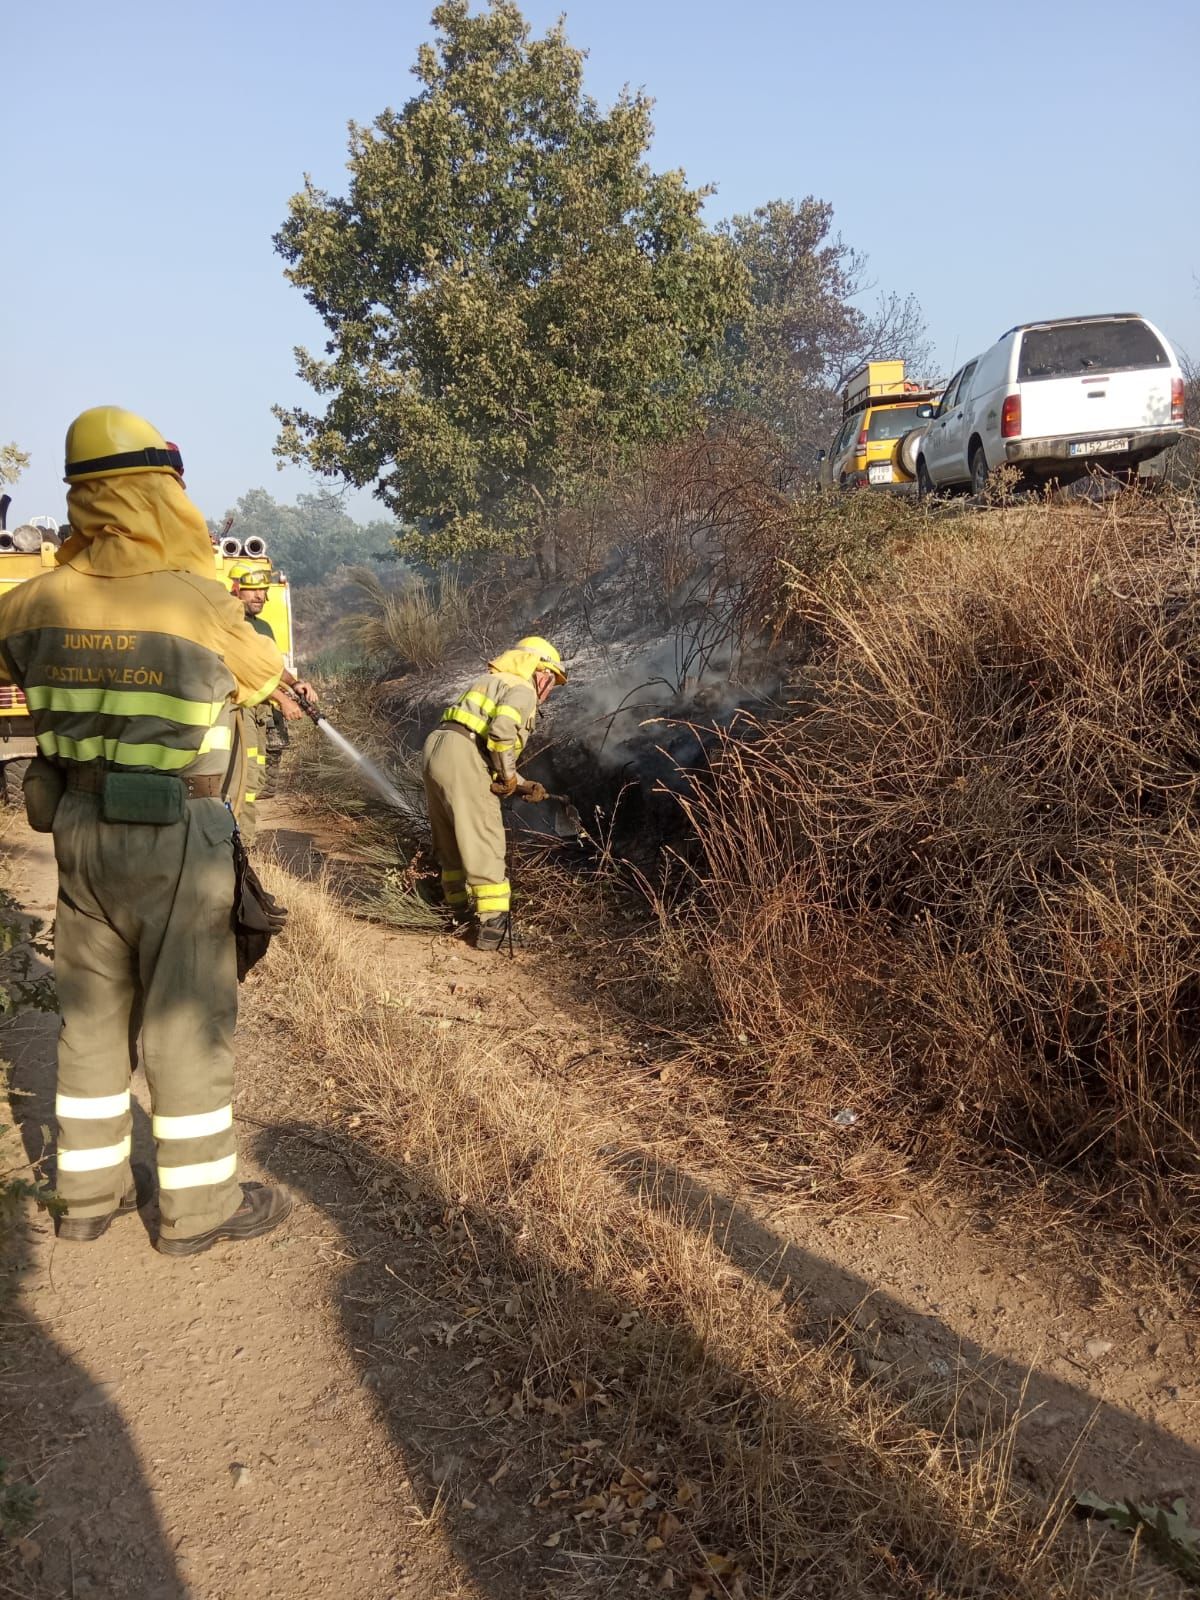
[31, 548]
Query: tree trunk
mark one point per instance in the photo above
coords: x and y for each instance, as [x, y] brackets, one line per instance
[545, 543]
[543, 553]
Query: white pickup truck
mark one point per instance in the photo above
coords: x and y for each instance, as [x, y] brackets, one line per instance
[1055, 400]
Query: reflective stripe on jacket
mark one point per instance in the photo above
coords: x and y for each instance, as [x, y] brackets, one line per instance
[142, 672]
[500, 709]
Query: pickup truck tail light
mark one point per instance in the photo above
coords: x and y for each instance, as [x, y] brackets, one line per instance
[1010, 417]
[1176, 399]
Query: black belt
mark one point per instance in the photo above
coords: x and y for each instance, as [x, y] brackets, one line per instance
[90, 780]
[461, 727]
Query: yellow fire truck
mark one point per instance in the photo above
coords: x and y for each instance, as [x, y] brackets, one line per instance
[30, 549]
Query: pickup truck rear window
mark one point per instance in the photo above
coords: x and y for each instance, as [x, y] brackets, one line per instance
[1076, 348]
[895, 421]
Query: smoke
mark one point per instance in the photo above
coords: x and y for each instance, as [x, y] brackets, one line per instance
[629, 734]
[666, 681]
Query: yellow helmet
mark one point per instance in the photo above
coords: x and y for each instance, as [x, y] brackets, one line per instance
[247, 576]
[107, 442]
[548, 656]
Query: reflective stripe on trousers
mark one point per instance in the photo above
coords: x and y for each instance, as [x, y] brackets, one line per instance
[454, 888]
[143, 944]
[490, 898]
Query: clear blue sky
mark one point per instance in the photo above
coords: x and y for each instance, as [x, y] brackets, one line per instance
[1001, 162]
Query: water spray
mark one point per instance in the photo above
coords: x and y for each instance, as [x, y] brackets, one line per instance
[378, 780]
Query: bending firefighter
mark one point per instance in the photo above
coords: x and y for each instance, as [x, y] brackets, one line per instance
[469, 765]
[134, 661]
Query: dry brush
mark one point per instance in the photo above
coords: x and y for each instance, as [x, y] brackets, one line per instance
[960, 891]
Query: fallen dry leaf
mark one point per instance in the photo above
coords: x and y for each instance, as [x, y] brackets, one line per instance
[723, 1566]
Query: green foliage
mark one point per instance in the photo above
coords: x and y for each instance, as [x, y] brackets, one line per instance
[22, 944]
[311, 539]
[1164, 1530]
[803, 333]
[12, 463]
[511, 295]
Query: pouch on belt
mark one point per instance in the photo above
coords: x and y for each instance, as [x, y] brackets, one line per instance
[154, 798]
[43, 787]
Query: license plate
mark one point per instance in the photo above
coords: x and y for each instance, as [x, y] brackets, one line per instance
[1098, 447]
[881, 472]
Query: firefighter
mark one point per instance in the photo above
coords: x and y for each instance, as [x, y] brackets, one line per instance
[133, 659]
[264, 728]
[469, 765]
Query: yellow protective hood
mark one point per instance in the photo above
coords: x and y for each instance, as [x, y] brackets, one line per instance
[520, 663]
[124, 526]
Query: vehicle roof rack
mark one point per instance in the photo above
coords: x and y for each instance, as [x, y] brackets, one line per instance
[878, 402]
[1058, 322]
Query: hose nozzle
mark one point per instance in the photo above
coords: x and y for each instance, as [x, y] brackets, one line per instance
[304, 702]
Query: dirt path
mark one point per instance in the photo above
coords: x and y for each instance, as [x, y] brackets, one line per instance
[226, 1429]
[197, 1428]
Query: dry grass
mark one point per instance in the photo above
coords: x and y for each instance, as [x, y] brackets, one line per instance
[960, 894]
[415, 626]
[723, 1445]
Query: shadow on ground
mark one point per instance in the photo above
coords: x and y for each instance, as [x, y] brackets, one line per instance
[95, 1531]
[557, 1439]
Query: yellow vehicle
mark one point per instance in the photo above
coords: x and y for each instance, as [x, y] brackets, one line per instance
[24, 552]
[31, 548]
[883, 418]
[230, 552]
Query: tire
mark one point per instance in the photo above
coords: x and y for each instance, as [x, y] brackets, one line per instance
[926, 489]
[906, 453]
[13, 777]
[980, 473]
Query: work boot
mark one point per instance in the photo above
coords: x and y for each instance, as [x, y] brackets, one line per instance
[263, 1207]
[84, 1230]
[492, 931]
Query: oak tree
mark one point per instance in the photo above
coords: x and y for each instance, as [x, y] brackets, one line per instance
[511, 294]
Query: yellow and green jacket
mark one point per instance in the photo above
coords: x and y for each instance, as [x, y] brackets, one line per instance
[143, 672]
[500, 708]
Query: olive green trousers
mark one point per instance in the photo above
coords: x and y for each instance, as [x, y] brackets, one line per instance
[143, 946]
[466, 822]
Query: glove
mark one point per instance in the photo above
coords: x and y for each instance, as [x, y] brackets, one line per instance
[505, 787]
[534, 792]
